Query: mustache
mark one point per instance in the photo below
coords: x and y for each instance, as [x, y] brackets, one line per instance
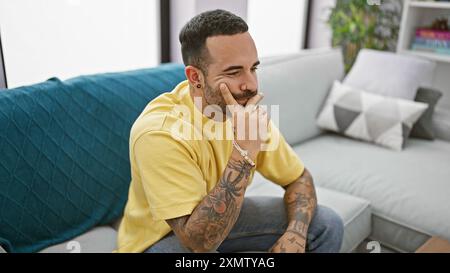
[247, 94]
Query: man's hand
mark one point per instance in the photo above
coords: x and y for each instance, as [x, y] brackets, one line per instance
[290, 242]
[246, 120]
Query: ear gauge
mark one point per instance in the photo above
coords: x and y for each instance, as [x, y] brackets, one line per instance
[199, 86]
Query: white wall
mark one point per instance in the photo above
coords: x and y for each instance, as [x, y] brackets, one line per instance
[183, 10]
[319, 32]
[238, 7]
[66, 38]
[278, 27]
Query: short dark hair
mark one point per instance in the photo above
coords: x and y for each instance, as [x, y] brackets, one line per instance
[207, 24]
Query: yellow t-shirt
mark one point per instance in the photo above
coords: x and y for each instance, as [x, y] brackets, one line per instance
[171, 174]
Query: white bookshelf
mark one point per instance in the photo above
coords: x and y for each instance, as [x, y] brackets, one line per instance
[419, 14]
[430, 4]
[428, 55]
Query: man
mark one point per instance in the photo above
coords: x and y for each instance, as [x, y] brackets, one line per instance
[187, 193]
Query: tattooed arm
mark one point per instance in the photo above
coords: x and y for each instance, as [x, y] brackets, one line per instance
[301, 202]
[211, 221]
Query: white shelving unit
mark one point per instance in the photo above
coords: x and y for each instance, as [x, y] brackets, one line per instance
[430, 4]
[419, 14]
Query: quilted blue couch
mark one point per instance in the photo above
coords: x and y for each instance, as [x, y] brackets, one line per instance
[64, 160]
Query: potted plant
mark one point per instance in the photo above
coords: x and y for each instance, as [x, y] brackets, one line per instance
[356, 24]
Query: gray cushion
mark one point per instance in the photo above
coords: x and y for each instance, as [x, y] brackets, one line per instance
[384, 73]
[441, 123]
[299, 84]
[409, 188]
[423, 128]
[98, 240]
[355, 212]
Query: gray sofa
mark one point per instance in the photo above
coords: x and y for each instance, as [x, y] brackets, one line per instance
[399, 199]
[408, 191]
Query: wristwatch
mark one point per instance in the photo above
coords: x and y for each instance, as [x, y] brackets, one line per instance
[244, 154]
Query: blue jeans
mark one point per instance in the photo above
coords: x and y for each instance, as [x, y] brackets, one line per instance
[261, 222]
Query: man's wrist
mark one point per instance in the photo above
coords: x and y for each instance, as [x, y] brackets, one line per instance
[298, 235]
[237, 157]
[246, 155]
[252, 152]
[298, 227]
[297, 232]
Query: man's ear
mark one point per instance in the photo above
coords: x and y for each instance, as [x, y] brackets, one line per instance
[194, 76]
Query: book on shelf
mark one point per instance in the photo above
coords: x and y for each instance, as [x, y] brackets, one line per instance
[430, 49]
[432, 34]
[432, 42]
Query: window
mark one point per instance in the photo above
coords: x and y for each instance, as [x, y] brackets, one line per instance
[67, 38]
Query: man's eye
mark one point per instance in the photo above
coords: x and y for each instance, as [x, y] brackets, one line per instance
[233, 73]
[254, 69]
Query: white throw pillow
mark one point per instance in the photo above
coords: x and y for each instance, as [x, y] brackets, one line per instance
[390, 74]
[383, 120]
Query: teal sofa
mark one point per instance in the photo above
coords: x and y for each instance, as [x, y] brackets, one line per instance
[64, 161]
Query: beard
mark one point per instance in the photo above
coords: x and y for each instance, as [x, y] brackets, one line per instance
[214, 97]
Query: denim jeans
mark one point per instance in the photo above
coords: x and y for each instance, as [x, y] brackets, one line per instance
[261, 222]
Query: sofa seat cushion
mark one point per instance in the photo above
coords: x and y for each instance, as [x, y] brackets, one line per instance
[97, 240]
[408, 188]
[355, 212]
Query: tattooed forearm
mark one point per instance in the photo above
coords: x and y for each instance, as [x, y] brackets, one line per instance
[211, 221]
[301, 202]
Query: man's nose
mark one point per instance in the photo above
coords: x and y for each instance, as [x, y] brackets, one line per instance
[249, 83]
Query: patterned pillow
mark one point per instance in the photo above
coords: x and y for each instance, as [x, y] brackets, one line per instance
[383, 120]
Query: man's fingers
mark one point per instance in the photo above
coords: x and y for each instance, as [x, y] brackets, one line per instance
[252, 104]
[255, 99]
[226, 94]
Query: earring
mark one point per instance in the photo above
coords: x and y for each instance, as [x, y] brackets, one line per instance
[199, 85]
